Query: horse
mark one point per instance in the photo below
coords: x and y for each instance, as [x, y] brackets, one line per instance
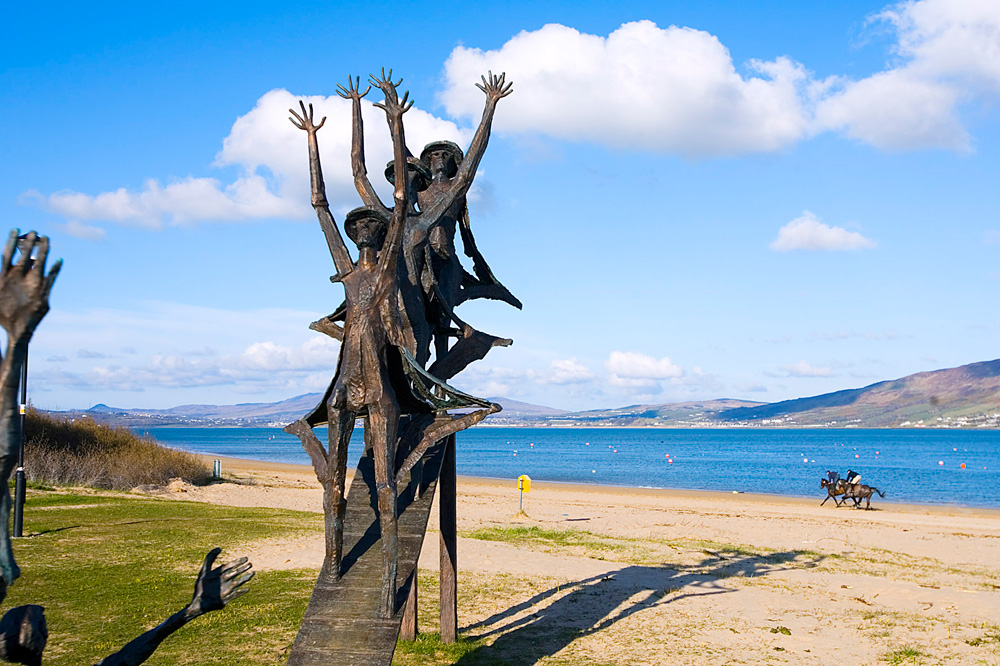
[839, 487]
[858, 492]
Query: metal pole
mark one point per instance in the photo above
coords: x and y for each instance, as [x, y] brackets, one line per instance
[19, 482]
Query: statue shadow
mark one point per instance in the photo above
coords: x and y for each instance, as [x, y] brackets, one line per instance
[533, 630]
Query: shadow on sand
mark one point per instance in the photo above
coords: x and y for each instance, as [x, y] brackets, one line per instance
[526, 637]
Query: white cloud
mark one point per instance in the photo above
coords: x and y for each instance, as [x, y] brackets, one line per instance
[84, 231]
[568, 371]
[807, 232]
[896, 110]
[677, 89]
[262, 364]
[669, 89]
[950, 39]
[317, 352]
[804, 369]
[158, 347]
[949, 54]
[270, 154]
[632, 370]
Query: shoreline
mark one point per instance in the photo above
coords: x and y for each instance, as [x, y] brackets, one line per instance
[247, 465]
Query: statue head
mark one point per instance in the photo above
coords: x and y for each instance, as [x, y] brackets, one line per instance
[420, 177]
[366, 227]
[442, 158]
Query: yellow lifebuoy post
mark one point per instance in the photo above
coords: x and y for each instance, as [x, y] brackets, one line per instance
[523, 485]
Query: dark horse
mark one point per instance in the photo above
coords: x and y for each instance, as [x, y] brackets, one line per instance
[839, 487]
[859, 491]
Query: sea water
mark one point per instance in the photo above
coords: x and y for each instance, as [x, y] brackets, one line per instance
[919, 466]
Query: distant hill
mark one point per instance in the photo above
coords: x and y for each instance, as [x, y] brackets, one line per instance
[967, 396]
[262, 413]
[701, 413]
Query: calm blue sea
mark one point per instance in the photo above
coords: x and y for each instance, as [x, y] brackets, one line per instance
[919, 466]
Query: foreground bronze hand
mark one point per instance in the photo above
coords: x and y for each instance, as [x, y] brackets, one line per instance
[212, 591]
[24, 300]
[24, 286]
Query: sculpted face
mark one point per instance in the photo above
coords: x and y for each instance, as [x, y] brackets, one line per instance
[369, 232]
[442, 162]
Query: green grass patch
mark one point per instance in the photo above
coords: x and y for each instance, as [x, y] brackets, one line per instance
[107, 568]
[985, 639]
[538, 536]
[428, 649]
[906, 654]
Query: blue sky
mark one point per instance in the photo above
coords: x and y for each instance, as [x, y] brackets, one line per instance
[758, 201]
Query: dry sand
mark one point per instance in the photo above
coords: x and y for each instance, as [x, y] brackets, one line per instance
[678, 577]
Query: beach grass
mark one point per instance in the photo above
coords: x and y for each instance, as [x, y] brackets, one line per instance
[906, 654]
[106, 568]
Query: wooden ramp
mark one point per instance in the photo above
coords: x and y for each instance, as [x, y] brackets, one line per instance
[342, 624]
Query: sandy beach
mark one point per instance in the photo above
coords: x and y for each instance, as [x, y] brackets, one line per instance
[661, 576]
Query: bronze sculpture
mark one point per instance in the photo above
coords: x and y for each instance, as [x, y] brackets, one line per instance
[394, 309]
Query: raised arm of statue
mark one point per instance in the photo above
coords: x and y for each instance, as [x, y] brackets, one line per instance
[338, 250]
[394, 109]
[212, 591]
[358, 168]
[495, 89]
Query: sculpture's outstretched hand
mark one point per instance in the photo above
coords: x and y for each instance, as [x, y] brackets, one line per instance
[351, 91]
[24, 286]
[217, 587]
[393, 106]
[384, 82]
[305, 121]
[494, 87]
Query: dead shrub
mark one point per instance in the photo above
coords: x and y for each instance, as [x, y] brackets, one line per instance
[85, 453]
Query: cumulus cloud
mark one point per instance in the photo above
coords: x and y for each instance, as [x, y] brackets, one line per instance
[633, 370]
[677, 89]
[807, 232]
[270, 156]
[671, 89]
[264, 364]
[948, 52]
[568, 371]
[950, 39]
[896, 110]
